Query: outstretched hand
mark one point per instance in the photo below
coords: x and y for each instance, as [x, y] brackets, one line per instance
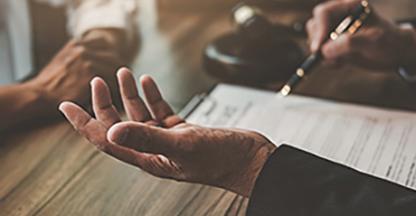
[162, 144]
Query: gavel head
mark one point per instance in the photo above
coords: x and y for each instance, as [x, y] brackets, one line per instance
[257, 52]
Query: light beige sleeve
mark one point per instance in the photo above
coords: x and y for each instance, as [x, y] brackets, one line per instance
[85, 15]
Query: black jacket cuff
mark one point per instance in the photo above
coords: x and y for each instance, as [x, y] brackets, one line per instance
[296, 183]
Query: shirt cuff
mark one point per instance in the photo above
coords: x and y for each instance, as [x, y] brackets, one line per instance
[113, 14]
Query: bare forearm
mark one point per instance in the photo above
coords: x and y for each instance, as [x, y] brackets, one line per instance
[18, 103]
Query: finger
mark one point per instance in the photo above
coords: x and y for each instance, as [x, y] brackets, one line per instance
[326, 16]
[133, 104]
[341, 48]
[310, 29]
[172, 121]
[143, 138]
[157, 165]
[157, 105]
[102, 103]
[87, 126]
[347, 45]
[77, 116]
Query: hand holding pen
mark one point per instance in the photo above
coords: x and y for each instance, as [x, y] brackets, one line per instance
[379, 44]
[358, 13]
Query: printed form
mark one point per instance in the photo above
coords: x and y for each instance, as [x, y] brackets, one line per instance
[376, 141]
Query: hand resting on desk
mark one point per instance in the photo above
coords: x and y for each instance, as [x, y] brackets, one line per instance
[66, 77]
[162, 144]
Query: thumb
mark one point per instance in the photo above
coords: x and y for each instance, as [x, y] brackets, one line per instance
[143, 138]
[344, 46]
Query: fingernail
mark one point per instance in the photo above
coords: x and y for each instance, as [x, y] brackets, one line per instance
[94, 79]
[122, 137]
[61, 106]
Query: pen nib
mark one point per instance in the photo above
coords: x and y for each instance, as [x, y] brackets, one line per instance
[285, 90]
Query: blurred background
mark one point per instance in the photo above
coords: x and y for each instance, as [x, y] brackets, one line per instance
[174, 33]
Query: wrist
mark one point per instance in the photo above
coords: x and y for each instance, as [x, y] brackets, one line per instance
[248, 179]
[28, 101]
[38, 94]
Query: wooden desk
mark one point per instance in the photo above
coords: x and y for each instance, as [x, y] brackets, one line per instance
[51, 170]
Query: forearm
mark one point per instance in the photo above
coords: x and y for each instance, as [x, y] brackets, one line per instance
[18, 103]
[294, 182]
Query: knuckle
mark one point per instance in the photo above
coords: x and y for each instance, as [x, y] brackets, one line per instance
[67, 61]
[320, 9]
[81, 51]
[348, 41]
[328, 52]
[309, 24]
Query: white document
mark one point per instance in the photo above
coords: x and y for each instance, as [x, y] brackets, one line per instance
[375, 141]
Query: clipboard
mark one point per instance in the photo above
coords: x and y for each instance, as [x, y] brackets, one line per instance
[194, 103]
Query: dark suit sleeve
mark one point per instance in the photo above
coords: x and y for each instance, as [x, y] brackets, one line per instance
[296, 183]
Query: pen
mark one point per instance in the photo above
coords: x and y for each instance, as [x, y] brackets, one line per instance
[351, 24]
